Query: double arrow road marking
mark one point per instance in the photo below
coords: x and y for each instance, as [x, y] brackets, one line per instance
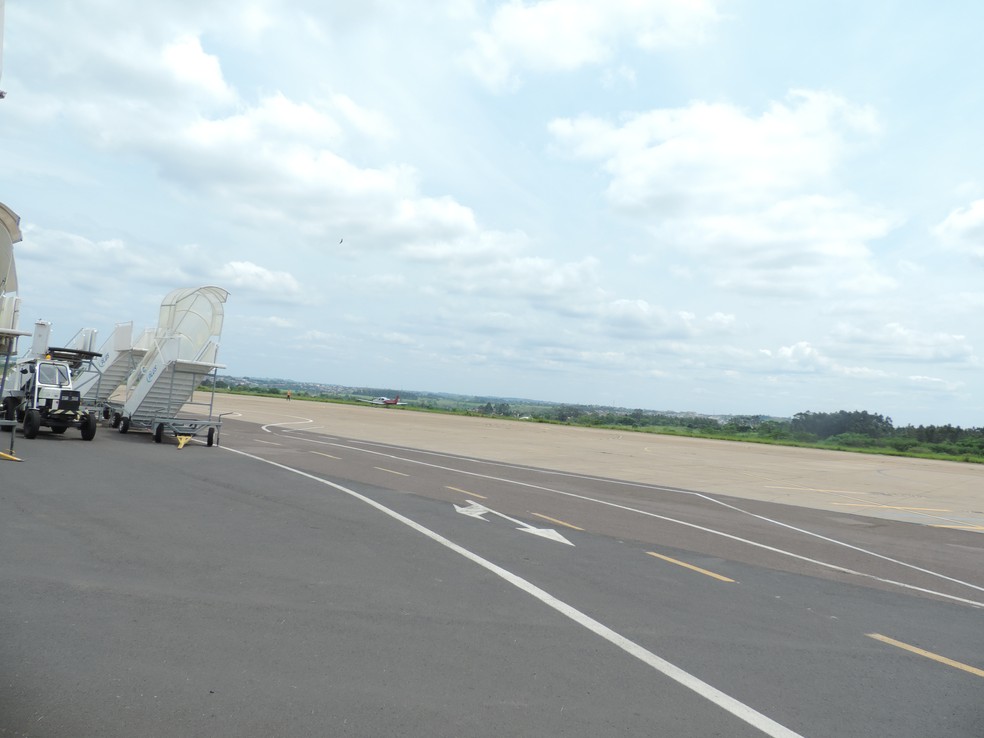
[476, 510]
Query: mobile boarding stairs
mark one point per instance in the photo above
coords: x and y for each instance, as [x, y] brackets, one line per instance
[158, 393]
[118, 358]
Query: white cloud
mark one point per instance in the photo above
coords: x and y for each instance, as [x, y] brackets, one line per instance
[566, 287]
[469, 251]
[274, 322]
[100, 264]
[370, 123]
[671, 160]
[249, 276]
[896, 342]
[963, 229]
[318, 337]
[754, 199]
[277, 160]
[862, 372]
[192, 68]
[565, 35]
[399, 338]
[801, 356]
[282, 162]
[623, 75]
[435, 218]
[802, 359]
[934, 384]
[640, 320]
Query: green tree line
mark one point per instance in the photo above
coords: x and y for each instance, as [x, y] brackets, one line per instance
[845, 429]
[854, 429]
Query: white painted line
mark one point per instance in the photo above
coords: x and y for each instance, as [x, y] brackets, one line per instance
[817, 489]
[891, 507]
[712, 531]
[850, 546]
[739, 709]
[266, 428]
[609, 480]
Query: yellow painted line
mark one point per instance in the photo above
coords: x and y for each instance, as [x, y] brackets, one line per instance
[690, 566]
[892, 507]
[960, 527]
[928, 654]
[466, 492]
[817, 489]
[557, 522]
[325, 455]
[401, 474]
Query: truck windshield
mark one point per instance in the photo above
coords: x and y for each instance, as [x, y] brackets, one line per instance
[53, 374]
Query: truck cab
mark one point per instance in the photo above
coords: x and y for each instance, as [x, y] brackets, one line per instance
[45, 398]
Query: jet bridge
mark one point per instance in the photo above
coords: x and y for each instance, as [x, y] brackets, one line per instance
[157, 396]
[10, 233]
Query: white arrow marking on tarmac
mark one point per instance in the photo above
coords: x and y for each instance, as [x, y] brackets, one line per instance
[475, 510]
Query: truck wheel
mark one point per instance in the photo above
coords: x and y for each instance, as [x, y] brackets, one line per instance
[59, 429]
[158, 433]
[32, 423]
[9, 411]
[124, 425]
[105, 413]
[116, 420]
[88, 427]
[211, 437]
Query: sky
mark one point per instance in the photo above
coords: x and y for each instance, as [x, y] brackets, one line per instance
[717, 206]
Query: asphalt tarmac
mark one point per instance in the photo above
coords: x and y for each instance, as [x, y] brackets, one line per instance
[915, 490]
[331, 570]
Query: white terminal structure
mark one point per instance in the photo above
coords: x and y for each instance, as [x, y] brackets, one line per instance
[10, 234]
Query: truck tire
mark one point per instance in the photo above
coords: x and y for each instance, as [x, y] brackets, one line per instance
[9, 411]
[32, 423]
[158, 433]
[88, 427]
[124, 425]
[58, 429]
[211, 437]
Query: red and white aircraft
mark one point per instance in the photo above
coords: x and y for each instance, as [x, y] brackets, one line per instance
[384, 401]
